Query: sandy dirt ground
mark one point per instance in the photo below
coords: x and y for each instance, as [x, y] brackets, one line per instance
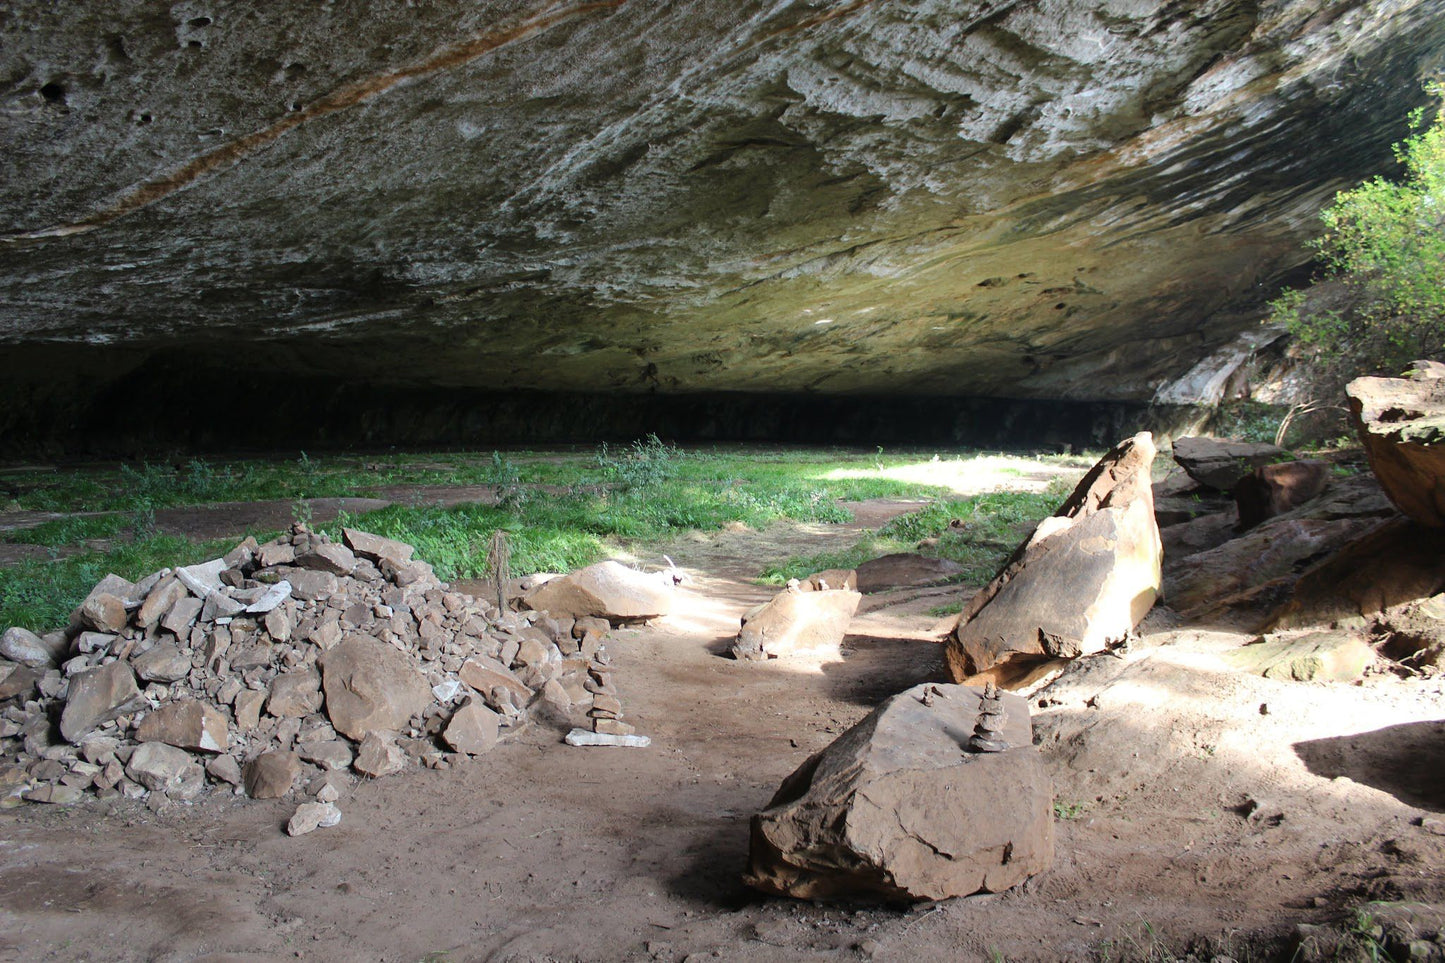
[1197, 807]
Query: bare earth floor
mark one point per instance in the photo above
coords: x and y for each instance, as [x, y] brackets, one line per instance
[1199, 804]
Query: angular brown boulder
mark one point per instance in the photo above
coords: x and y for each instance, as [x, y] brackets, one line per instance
[379, 755]
[188, 724]
[272, 774]
[295, 693]
[103, 612]
[1401, 423]
[371, 686]
[97, 696]
[375, 547]
[485, 674]
[473, 728]
[1085, 577]
[797, 622]
[166, 769]
[1220, 463]
[607, 590]
[830, 578]
[898, 809]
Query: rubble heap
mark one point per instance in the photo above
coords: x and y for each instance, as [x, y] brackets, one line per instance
[280, 667]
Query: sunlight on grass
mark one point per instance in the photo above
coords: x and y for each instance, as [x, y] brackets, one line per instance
[968, 474]
[562, 510]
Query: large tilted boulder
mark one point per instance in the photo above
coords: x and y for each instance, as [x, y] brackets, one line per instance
[1220, 463]
[797, 621]
[607, 590]
[898, 809]
[1084, 578]
[1395, 562]
[1401, 423]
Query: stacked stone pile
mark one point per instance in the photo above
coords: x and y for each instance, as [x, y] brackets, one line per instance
[283, 667]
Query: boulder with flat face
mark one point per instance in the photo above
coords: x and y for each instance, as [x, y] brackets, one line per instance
[1401, 423]
[897, 808]
[1220, 463]
[97, 696]
[1336, 656]
[904, 569]
[797, 622]
[1085, 577]
[188, 724]
[607, 590]
[371, 686]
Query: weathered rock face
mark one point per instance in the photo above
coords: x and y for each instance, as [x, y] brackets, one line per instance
[898, 809]
[1052, 199]
[1401, 422]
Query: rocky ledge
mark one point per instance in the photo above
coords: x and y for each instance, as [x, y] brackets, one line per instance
[1042, 200]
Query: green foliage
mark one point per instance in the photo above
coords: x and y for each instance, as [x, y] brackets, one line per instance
[1248, 420]
[1384, 241]
[506, 482]
[70, 530]
[644, 464]
[1073, 810]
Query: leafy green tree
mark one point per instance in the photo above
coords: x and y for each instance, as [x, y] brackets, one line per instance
[1383, 247]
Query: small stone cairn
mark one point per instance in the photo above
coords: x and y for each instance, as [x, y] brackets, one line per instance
[988, 732]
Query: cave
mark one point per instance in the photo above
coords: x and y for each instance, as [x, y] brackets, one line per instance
[418, 310]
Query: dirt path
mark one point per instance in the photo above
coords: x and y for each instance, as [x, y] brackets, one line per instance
[1194, 816]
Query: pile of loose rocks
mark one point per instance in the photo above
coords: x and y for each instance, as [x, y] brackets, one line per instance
[279, 668]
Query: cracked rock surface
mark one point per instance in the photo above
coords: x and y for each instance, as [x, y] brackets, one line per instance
[1052, 199]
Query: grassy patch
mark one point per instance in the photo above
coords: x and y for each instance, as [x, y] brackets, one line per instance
[40, 595]
[978, 532]
[1068, 810]
[593, 502]
[71, 530]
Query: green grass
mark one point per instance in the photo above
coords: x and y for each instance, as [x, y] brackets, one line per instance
[40, 595]
[1063, 810]
[596, 502]
[71, 531]
[978, 532]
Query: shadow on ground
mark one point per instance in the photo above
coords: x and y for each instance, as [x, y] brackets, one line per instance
[1407, 761]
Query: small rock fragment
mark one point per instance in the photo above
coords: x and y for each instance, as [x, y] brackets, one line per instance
[312, 816]
[379, 756]
[581, 737]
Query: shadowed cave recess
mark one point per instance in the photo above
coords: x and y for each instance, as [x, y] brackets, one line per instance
[978, 222]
